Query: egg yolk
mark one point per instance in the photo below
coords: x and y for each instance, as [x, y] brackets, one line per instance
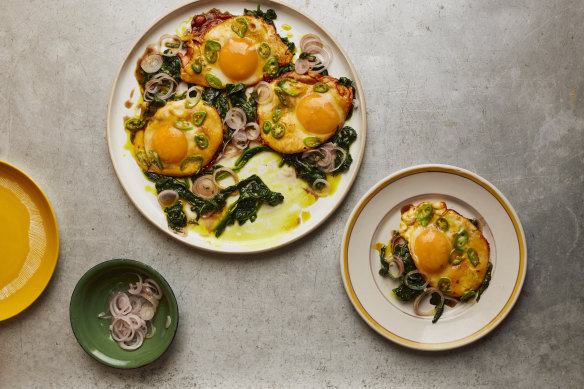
[170, 144]
[432, 250]
[238, 59]
[317, 114]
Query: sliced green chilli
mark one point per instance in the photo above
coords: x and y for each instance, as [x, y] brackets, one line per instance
[288, 85]
[212, 51]
[282, 96]
[155, 159]
[277, 114]
[197, 66]
[267, 127]
[271, 67]
[141, 157]
[199, 118]
[320, 87]
[444, 285]
[264, 50]
[424, 214]
[442, 224]
[461, 239]
[172, 45]
[468, 295]
[456, 257]
[472, 256]
[312, 141]
[184, 125]
[242, 29]
[134, 124]
[278, 130]
[202, 141]
[194, 158]
[213, 81]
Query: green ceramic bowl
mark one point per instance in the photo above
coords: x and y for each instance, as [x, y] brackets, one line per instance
[91, 296]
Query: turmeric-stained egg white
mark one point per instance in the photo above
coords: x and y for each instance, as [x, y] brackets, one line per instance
[449, 251]
[304, 111]
[238, 50]
[181, 138]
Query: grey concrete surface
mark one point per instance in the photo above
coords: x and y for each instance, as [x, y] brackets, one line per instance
[496, 87]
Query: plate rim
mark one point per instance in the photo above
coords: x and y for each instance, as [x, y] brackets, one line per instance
[358, 160]
[441, 168]
[55, 257]
[121, 261]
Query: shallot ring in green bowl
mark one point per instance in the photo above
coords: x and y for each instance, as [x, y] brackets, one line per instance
[91, 297]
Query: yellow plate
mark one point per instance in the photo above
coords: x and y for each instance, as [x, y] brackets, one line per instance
[29, 241]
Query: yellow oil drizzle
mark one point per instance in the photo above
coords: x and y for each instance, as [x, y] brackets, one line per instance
[184, 27]
[290, 35]
[128, 145]
[286, 27]
[272, 223]
[151, 189]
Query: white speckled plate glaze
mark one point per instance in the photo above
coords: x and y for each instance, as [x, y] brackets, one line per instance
[134, 182]
[378, 213]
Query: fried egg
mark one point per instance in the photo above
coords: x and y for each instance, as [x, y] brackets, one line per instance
[179, 139]
[448, 250]
[304, 111]
[238, 50]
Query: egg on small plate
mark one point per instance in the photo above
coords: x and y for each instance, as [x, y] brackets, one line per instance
[305, 110]
[179, 139]
[238, 50]
[449, 251]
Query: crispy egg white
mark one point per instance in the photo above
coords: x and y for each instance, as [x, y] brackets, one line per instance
[173, 144]
[432, 245]
[310, 117]
[239, 59]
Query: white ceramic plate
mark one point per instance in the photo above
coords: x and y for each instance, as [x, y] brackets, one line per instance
[379, 212]
[134, 182]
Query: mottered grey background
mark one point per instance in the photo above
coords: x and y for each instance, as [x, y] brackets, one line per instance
[495, 87]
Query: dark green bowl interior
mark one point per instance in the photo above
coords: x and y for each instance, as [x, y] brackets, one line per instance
[91, 296]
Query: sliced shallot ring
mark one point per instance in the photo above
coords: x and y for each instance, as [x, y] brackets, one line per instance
[198, 95]
[120, 304]
[302, 66]
[325, 189]
[337, 148]
[151, 63]
[328, 160]
[418, 300]
[235, 118]
[137, 287]
[205, 187]
[326, 58]
[224, 169]
[172, 51]
[307, 39]
[264, 92]
[400, 266]
[133, 346]
[397, 240]
[239, 139]
[122, 329]
[136, 302]
[252, 130]
[153, 285]
[168, 197]
[152, 331]
[229, 150]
